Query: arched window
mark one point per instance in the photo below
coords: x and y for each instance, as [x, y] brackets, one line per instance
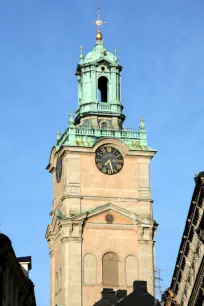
[90, 269]
[104, 125]
[131, 270]
[110, 269]
[102, 89]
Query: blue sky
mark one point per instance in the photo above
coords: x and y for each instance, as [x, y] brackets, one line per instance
[160, 45]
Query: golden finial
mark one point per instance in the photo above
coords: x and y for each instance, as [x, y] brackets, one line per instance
[99, 23]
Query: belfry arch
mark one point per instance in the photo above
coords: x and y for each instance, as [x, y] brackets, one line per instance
[102, 89]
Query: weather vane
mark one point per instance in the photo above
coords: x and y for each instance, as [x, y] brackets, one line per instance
[99, 23]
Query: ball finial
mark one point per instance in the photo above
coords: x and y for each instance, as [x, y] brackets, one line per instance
[99, 35]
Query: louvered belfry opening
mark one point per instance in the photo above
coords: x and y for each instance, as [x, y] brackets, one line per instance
[110, 269]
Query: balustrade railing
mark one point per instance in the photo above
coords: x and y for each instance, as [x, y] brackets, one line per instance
[107, 132]
[104, 106]
[101, 106]
[109, 107]
[82, 131]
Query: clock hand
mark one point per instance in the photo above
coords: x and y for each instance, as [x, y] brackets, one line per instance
[108, 161]
[110, 164]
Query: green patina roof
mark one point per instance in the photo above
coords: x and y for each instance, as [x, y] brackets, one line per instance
[86, 134]
[99, 53]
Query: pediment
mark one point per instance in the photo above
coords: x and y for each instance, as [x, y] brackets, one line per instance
[110, 216]
[120, 215]
[104, 62]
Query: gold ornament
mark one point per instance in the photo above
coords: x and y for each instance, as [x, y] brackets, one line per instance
[99, 23]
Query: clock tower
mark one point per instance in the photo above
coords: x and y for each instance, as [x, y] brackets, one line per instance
[102, 230]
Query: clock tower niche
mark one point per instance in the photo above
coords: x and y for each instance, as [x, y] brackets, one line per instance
[102, 230]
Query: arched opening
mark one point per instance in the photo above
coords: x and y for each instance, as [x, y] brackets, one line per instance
[102, 89]
[104, 125]
[110, 269]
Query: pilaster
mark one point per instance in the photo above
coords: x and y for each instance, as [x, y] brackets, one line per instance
[144, 178]
[52, 270]
[146, 258]
[71, 200]
[71, 233]
[115, 123]
[94, 83]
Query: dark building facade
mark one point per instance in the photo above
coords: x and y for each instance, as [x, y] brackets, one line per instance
[187, 286]
[16, 289]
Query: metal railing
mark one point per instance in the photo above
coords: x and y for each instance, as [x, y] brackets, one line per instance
[107, 133]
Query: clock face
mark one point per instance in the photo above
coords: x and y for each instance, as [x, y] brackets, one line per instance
[59, 169]
[109, 160]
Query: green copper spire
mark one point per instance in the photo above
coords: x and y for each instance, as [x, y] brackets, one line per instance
[100, 111]
[99, 89]
[143, 136]
[81, 54]
[142, 124]
[71, 119]
[58, 134]
[116, 54]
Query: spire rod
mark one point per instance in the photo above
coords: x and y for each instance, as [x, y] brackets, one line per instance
[81, 53]
[58, 134]
[142, 123]
[99, 23]
[116, 53]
